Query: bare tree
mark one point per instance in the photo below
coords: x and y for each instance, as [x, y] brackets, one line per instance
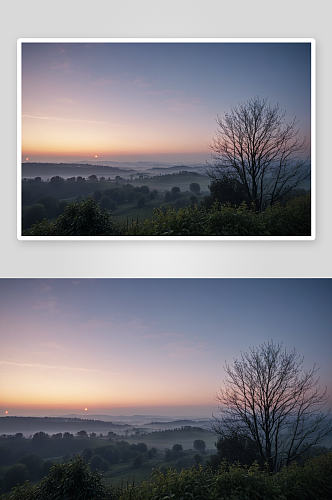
[270, 398]
[255, 146]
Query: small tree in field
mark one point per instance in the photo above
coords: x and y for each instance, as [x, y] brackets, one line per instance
[257, 148]
[199, 445]
[270, 398]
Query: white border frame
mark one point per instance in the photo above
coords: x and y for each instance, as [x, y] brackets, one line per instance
[312, 41]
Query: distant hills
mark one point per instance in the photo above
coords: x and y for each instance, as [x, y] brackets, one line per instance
[107, 169]
[100, 424]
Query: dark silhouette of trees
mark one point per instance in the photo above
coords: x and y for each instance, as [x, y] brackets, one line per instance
[33, 463]
[268, 397]
[235, 447]
[5, 455]
[87, 453]
[141, 201]
[175, 192]
[199, 445]
[40, 439]
[195, 187]
[97, 194]
[15, 475]
[137, 462]
[50, 203]
[96, 462]
[35, 213]
[83, 219]
[256, 147]
[82, 434]
[105, 203]
[226, 190]
[73, 480]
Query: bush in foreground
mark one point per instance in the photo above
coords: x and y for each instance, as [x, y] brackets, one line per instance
[87, 219]
[75, 481]
[79, 219]
[70, 481]
[294, 219]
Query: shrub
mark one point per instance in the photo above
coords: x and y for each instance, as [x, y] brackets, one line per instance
[313, 480]
[225, 220]
[15, 475]
[34, 214]
[293, 219]
[79, 219]
[33, 463]
[105, 203]
[96, 462]
[137, 462]
[71, 481]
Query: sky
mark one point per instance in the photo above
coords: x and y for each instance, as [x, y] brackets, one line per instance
[148, 346]
[151, 101]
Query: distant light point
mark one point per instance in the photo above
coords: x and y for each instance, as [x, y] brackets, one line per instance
[27, 159]
[6, 412]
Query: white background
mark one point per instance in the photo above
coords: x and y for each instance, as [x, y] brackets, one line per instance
[178, 19]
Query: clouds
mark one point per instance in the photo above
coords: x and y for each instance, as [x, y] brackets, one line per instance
[60, 119]
[52, 367]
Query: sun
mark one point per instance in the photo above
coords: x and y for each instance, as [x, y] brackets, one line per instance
[85, 409]
[96, 156]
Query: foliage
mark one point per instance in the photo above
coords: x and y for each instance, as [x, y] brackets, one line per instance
[293, 219]
[313, 480]
[309, 481]
[71, 481]
[195, 187]
[97, 194]
[34, 214]
[96, 462]
[199, 445]
[79, 219]
[15, 475]
[5, 455]
[235, 447]
[50, 203]
[33, 463]
[196, 483]
[226, 190]
[105, 203]
[137, 462]
[191, 221]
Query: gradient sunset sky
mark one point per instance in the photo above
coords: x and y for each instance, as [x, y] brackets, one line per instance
[148, 346]
[150, 101]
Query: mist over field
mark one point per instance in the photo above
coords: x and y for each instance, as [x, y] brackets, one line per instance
[108, 169]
